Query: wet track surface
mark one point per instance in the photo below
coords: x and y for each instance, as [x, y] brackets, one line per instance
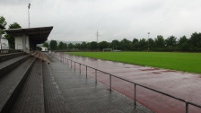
[186, 86]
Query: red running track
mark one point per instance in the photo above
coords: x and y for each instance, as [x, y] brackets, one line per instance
[179, 84]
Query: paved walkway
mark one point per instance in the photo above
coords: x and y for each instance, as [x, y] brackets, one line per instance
[83, 95]
[179, 84]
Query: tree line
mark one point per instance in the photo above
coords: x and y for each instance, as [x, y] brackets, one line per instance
[192, 44]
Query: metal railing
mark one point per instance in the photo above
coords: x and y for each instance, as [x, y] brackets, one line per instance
[187, 103]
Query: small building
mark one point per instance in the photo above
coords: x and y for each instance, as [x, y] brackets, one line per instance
[44, 48]
[4, 44]
[26, 39]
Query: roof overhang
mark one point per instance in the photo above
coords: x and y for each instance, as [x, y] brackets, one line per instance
[37, 35]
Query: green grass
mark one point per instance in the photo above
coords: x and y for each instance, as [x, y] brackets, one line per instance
[187, 62]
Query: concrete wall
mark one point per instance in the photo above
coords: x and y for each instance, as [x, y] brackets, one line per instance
[4, 44]
[18, 43]
[22, 43]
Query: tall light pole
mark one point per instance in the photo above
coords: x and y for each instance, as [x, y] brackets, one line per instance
[97, 35]
[29, 6]
[148, 40]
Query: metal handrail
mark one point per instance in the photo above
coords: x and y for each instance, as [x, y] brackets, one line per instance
[135, 84]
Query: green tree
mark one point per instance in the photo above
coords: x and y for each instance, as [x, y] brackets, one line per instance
[195, 41]
[10, 38]
[143, 45]
[45, 44]
[3, 23]
[151, 43]
[171, 41]
[160, 42]
[77, 45]
[65, 46]
[53, 45]
[135, 44]
[115, 44]
[61, 46]
[93, 45]
[126, 44]
[14, 25]
[88, 45]
[70, 46]
[103, 44]
[183, 44]
[83, 46]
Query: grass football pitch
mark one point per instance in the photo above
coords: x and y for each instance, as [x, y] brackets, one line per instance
[187, 62]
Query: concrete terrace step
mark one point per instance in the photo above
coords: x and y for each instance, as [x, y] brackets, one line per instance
[9, 65]
[31, 97]
[5, 57]
[10, 85]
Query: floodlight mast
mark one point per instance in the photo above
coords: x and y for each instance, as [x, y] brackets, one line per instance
[97, 35]
[29, 6]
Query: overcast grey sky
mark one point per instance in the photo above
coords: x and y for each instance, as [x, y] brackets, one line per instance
[79, 20]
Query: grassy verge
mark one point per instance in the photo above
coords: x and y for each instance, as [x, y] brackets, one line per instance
[188, 62]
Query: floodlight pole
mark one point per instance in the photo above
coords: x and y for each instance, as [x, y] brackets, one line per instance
[29, 15]
[97, 35]
[148, 40]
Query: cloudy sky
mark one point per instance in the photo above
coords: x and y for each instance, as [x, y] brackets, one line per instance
[79, 20]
